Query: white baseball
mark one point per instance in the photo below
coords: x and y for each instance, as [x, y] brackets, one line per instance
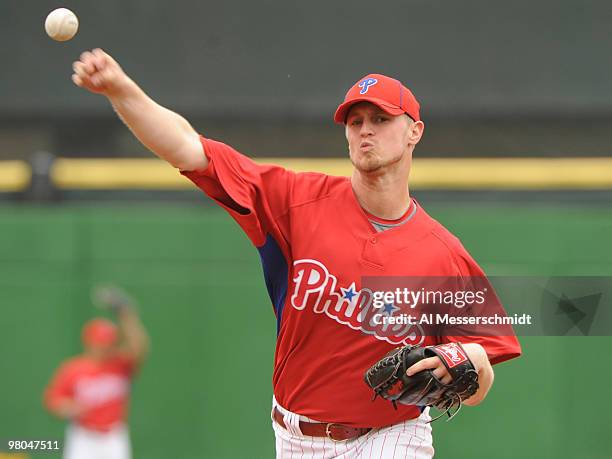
[61, 24]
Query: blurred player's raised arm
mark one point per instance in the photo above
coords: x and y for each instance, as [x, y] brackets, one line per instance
[135, 338]
[164, 132]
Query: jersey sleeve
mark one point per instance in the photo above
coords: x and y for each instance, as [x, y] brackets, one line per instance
[499, 341]
[60, 387]
[253, 194]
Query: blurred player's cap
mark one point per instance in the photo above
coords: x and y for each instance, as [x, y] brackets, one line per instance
[387, 93]
[99, 332]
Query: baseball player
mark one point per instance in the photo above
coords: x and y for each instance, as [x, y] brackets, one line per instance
[318, 236]
[92, 390]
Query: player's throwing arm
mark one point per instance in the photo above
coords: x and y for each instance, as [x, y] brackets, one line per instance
[164, 132]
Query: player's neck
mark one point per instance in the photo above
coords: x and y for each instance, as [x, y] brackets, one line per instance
[384, 196]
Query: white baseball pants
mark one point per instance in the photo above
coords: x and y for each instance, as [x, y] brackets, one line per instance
[409, 439]
[82, 443]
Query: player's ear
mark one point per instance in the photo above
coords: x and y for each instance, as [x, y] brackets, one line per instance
[415, 132]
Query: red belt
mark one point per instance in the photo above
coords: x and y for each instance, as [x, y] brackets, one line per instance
[333, 431]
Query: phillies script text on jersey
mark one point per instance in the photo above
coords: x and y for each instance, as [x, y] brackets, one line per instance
[316, 287]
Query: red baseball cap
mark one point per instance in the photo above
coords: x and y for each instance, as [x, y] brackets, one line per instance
[385, 92]
[99, 332]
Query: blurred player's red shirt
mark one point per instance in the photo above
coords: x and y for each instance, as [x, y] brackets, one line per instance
[103, 388]
[316, 245]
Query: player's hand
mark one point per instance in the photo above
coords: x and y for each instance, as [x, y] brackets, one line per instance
[475, 352]
[69, 409]
[112, 298]
[99, 73]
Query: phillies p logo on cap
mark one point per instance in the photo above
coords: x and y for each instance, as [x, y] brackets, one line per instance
[365, 84]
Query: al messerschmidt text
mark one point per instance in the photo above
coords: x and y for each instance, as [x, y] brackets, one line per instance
[447, 319]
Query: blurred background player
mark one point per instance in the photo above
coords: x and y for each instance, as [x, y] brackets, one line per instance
[92, 390]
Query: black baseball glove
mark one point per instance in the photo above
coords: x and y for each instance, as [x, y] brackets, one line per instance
[388, 378]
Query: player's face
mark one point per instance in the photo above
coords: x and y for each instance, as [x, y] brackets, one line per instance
[378, 140]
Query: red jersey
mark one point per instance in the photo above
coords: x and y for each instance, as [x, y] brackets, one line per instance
[103, 388]
[316, 245]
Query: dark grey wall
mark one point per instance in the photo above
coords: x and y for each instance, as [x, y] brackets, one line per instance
[284, 57]
[492, 61]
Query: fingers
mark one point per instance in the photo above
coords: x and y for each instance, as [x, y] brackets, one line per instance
[95, 59]
[101, 59]
[98, 59]
[77, 80]
[80, 69]
[81, 76]
[83, 70]
[442, 374]
[434, 364]
[425, 364]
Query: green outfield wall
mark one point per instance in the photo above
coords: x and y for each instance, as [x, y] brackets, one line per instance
[205, 390]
